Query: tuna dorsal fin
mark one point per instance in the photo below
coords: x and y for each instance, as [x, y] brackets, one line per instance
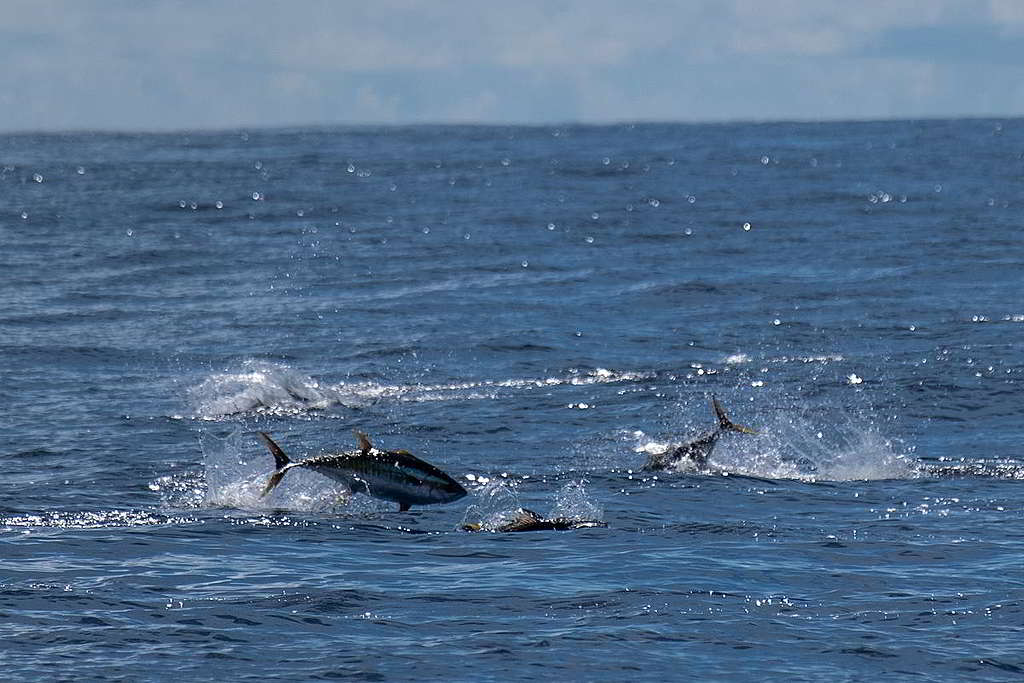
[364, 442]
[529, 515]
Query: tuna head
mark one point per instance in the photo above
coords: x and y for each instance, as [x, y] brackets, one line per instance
[411, 481]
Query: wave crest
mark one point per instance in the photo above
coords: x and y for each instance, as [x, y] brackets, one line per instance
[266, 388]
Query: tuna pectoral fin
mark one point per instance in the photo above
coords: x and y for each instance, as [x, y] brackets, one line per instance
[725, 423]
[275, 479]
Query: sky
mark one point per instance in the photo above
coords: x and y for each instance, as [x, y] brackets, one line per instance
[215, 64]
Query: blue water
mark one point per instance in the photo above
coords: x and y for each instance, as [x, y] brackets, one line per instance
[534, 310]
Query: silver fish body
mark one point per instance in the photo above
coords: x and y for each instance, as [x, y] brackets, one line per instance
[398, 476]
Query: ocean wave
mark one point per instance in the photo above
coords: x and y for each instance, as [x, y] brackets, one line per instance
[265, 388]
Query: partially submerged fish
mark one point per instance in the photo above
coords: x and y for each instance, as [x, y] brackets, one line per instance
[699, 450]
[528, 520]
[397, 476]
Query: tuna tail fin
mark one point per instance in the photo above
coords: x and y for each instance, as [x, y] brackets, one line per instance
[280, 459]
[281, 462]
[724, 423]
[275, 479]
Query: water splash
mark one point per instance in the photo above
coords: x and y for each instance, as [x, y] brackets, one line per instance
[838, 447]
[573, 502]
[498, 503]
[797, 447]
[495, 503]
[237, 468]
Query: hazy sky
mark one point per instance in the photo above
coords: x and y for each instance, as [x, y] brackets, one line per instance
[159, 64]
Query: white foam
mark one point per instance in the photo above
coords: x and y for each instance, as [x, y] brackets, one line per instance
[263, 387]
[270, 388]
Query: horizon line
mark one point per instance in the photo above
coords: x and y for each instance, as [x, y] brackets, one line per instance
[611, 123]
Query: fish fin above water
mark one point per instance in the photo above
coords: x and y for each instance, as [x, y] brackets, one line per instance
[402, 507]
[280, 459]
[274, 480]
[281, 462]
[528, 515]
[364, 442]
[724, 422]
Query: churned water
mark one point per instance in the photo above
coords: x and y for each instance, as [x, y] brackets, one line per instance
[536, 311]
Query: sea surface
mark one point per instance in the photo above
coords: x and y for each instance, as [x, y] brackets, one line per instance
[536, 311]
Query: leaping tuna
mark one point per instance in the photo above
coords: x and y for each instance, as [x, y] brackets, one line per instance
[699, 450]
[397, 476]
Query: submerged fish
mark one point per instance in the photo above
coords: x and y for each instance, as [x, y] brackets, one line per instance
[528, 520]
[398, 476]
[699, 450]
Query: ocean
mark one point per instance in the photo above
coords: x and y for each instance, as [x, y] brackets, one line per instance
[537, 311]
